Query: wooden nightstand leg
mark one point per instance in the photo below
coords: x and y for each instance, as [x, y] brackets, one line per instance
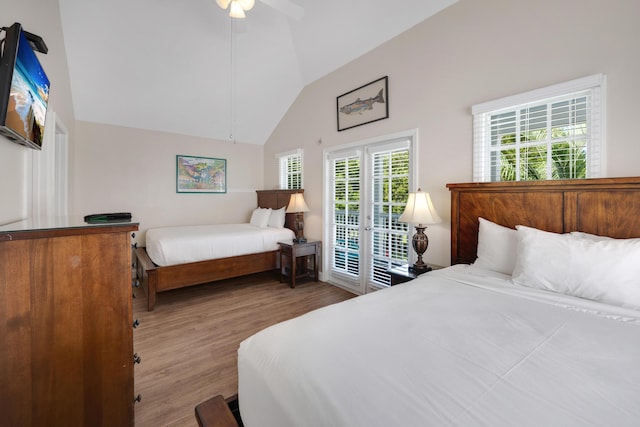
[294, 261]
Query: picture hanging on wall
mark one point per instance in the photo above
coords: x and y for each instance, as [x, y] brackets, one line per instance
[200, 175]
[366, 104]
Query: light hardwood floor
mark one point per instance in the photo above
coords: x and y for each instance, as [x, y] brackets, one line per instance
[189, 343]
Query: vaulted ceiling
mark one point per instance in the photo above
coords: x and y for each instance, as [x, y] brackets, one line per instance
[182, 66]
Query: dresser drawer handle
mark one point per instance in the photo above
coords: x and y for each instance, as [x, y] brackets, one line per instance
[136, 358]
[138, 398]
[136, 323]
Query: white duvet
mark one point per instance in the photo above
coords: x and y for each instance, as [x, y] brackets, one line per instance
[455, 347]
[184, 244]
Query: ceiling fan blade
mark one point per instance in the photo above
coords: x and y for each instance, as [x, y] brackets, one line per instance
[287, 7]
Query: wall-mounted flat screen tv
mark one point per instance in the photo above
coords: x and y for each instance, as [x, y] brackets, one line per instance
[24, 90]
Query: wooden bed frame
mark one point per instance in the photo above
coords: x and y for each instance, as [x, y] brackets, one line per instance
[606, 206]
[603, 206]
[156, 279]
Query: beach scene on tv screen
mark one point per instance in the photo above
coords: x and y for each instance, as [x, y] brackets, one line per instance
[29, 95]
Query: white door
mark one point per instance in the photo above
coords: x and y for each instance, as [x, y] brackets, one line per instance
[368, 188]
[49, 189]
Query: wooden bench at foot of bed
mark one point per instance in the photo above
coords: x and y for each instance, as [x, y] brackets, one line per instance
[156, 279]
[218, 412]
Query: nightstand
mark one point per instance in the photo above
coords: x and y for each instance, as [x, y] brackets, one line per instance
[295, 259]
[401, 273]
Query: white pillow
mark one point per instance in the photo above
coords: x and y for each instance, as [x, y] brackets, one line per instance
[260, 217]
[595, 237]
[496, 247]
[276, 219]
[606, 270]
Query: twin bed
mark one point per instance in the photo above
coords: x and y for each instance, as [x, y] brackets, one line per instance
[542, 329]
[176, 257]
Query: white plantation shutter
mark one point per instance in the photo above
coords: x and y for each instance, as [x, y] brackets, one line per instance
[366, 189]
[290, 169]
[389, 239]
[346, 208]
[551, 133]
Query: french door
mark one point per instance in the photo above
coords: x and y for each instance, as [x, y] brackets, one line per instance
[368, 186]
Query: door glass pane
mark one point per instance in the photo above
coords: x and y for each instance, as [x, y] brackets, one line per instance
[388, 240]
[346, 218]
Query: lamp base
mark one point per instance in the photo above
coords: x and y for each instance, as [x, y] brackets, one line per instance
[420, 243]
[299, 228]
[419, 269]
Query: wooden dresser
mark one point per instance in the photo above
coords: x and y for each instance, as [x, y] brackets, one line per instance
[66, 340]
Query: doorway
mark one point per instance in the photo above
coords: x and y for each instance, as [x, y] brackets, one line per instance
[366, 189]
[49, 170]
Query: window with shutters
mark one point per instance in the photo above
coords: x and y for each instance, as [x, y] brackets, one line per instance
[551, 133]
[290, 170]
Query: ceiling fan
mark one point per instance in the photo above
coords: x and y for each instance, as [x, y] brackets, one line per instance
[238, 7]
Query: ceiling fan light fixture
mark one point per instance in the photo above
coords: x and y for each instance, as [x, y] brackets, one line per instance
[236, 10]
[223, 3]
[246, 4]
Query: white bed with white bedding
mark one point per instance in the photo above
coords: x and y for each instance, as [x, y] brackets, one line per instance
[542, 330]
[484, 352]
[177, 257]
[181, 245]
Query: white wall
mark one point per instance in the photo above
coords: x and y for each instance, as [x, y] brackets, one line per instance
[472, 52]
[120, 169]
[41, 17]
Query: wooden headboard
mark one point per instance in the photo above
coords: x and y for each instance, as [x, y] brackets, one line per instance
[275, 199]
[603, 206]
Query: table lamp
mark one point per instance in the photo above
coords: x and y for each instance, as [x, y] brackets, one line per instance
[420, 212]
[298, 206]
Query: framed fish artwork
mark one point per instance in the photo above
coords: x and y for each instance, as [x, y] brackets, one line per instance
[366, 104]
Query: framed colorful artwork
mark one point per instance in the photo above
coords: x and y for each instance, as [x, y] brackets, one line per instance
[200, 175]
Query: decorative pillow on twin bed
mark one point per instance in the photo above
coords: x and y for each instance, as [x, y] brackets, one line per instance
[276, 219]
[586, 266]
[496, 247]
[260, 217]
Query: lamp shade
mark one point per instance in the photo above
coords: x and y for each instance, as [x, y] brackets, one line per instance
[297, 204]
[420, 210]
[223, 3]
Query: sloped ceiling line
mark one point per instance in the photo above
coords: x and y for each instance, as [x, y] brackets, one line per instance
[165, 65]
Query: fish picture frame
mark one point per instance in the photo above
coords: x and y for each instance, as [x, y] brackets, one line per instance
[366, 104]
